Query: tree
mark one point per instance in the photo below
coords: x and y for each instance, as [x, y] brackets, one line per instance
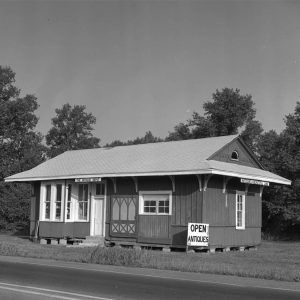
[251, 134]
[181, 132]
[20, 148]
[280, 153]
[228, 113]
[147, 138]
[72, 130]
[115, 143]
[201, 127]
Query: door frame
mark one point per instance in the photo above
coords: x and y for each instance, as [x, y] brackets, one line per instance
[92, 213]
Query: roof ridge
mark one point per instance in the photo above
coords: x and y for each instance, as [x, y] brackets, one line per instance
[177, 141]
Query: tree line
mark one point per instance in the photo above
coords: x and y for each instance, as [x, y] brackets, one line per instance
[228, 112]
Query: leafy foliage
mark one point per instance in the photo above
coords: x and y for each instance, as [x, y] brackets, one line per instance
[229, 111]
[226, 114]
[147, 138]
[20, 148]
[280, 153]
[72, 130]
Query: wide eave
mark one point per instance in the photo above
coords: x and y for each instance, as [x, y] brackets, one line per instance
[156, 159]
[212, 167]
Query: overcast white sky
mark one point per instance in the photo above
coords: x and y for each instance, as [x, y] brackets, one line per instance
[146, 65]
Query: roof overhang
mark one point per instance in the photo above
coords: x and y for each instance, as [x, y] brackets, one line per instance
[279, 180]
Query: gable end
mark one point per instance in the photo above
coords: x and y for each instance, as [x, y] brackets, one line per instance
[237, 152]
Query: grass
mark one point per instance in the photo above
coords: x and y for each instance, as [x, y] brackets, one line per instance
[272, 260]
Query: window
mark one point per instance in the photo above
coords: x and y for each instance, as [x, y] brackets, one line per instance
[235, 155]
[156, 203]
[52, 201]
[100, 189]
[69, 201]
[47, 201]
[83, 202]
[240, 211]
[58, 202]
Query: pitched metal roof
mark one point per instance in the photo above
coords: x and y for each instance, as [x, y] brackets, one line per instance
[166, 158]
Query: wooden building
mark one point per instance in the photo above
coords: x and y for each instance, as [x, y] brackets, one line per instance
[147, 194]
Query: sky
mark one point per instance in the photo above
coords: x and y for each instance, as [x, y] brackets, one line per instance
[147, 65]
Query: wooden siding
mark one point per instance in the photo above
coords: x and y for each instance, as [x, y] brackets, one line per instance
[219, 207]
[187, 201]
[154, 228]
[189, 204]
[61, 229]
[221, 236]
[35, 210]
[37, 194]
[158, 183]
[216, 210]
[253, 204]
[187, 207]
[244, 157]
[219, 212]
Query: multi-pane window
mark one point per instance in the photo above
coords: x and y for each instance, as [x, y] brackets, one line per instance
[156, 204]
[240, 211]
[163, 206]
[48, 201]
[69, 201]
[58, 202]
[150, 206]
[52, 200]
[83, 202]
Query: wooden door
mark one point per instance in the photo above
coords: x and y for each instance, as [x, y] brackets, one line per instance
[123, 215]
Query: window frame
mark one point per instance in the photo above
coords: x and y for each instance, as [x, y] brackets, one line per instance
[46, 200]
[238, 211]
[237, 155]
[60, 202]
[69, 200]
[153, 193]
[76, 213]
[53, 201]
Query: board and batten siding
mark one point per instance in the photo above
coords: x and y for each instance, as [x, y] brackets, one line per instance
[162, 229]
[61, 230]
[219, 212]
[35, 208]
[186, 207]
[154, 228]
[189, 204]
[245, 158]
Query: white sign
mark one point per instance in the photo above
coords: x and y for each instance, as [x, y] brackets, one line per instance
[87, 179]
[251, 181]
[198, 234]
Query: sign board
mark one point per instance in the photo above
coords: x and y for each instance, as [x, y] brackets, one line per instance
[198, 234]
[88, 179]
[251, 181]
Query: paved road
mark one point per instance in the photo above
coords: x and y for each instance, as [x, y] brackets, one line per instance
[40, 279]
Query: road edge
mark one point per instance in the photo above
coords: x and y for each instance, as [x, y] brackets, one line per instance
[177, 275]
